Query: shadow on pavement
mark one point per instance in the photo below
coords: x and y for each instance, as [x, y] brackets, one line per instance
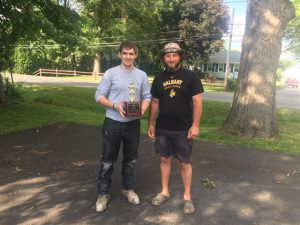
[49, 176]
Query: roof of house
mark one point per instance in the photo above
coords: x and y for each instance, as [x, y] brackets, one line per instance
[221, 57]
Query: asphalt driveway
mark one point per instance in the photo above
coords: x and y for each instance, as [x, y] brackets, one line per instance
[48, 176]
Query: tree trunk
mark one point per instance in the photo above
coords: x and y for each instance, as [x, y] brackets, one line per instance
[2, 97]
[97, 64]
[73, 60]
[12, 78]
[253, 111]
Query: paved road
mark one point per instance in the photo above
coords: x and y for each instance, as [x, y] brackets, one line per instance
[289, 98]
[285, 98]
[48, 81]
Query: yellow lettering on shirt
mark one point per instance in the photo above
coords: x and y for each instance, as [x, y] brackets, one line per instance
[172, 82]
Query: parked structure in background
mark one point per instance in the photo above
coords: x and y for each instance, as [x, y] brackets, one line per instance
[291, 76]
[217, 64]
[292, 72]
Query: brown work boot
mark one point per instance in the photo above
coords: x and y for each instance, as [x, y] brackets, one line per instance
[159, 199]
[102, 202]
[131, 196]
[188, 207]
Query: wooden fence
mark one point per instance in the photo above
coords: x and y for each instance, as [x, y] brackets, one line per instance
[57, 73]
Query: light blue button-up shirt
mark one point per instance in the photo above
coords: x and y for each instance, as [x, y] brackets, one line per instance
[115, 84]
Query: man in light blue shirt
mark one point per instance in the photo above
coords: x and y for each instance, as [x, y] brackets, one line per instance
[121, 84]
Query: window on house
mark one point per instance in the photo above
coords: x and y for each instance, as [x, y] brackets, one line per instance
[220, 67]
[236, 68]
[216, 67]
[209, 67]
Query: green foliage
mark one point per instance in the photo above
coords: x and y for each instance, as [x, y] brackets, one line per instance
[12, 91]
[297, 3]
[28, 60]
[17, 20]
[278, 74]
[74, 39]
[47, 105]
[232, 83]
[293, 30]
[36, 24]
[282, 66]
[107, 23]
[199, 24]
[285, 64]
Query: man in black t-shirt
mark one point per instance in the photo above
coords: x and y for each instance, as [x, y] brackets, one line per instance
[177, 96]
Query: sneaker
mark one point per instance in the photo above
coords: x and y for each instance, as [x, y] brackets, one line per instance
[101, 203]
[131, 196]
[159, 199]
[188, 207]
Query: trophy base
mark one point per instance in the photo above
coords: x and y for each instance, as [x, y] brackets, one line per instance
[133, 108]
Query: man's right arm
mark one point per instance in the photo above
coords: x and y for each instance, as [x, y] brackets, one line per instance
[152, 116]
[109, 104]
[103, 90]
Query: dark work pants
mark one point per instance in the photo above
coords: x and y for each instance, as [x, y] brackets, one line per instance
[114, 133]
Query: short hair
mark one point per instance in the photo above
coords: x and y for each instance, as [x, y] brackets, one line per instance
[128, 45]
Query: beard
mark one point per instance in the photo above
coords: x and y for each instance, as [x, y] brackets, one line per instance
[172, 69]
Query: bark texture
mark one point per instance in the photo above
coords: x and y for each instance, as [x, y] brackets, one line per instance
[2, 97]
[253, 111]
[97, 64]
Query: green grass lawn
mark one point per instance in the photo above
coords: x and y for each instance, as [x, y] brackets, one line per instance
[41, 106]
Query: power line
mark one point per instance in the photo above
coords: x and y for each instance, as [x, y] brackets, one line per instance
[161, 33]
[162, 40]
[114, 44]
[224, 2]
[143, 35]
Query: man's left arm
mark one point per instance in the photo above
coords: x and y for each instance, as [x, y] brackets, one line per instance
[197, 113]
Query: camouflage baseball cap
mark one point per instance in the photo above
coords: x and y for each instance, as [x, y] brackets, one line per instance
[171, 47]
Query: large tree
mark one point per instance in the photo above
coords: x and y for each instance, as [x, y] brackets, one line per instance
[198, 24]
[34, 20]
[110, 22]
[52, 45]
[253, 111]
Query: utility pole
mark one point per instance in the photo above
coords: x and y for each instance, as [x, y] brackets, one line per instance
[227, 72]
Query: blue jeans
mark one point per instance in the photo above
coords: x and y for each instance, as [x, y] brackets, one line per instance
[114, 133]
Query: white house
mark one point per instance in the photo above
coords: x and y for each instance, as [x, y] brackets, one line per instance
[217, 64]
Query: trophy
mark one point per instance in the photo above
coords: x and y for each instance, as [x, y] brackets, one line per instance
[132, 107]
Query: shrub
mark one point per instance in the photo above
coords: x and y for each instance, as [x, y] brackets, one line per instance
[11, 90]
[210, 78]
[232, 84]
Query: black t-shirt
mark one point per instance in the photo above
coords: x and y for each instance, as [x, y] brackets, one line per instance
[175, 91]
